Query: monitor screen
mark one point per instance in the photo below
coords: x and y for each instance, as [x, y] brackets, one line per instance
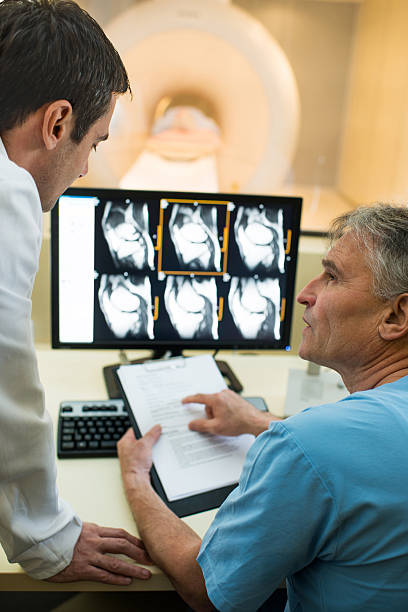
[172, 270]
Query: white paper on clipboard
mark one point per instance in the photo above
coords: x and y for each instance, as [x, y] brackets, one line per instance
[186, 462]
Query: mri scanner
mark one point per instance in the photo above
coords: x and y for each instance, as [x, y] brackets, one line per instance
[229, 87]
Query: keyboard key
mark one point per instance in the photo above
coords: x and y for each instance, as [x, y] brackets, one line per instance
[67, 445]
[108, 444]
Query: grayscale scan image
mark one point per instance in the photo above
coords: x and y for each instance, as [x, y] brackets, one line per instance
[193, 230]
[126, 230]
[254, 304]
[126, 303]
[191, 304]
[259, 236]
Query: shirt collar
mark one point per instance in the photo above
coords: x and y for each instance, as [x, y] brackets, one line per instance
[3, 152]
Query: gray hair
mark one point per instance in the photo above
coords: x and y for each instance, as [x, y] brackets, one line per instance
[382, 230]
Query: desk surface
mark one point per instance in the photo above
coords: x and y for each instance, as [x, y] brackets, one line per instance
[93, 486]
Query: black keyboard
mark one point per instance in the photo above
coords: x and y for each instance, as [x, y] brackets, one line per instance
[91, 429]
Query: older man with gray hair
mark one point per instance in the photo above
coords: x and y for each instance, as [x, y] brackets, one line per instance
[323, 496]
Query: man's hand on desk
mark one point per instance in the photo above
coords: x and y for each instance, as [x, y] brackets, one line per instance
[135, 456]
[91, 561]
[228, 414]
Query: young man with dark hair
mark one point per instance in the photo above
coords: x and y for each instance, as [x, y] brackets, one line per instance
[59, 78]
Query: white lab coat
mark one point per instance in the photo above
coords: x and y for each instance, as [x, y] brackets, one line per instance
[37, 528]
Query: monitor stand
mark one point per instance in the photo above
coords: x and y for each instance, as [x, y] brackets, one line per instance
[112, 386]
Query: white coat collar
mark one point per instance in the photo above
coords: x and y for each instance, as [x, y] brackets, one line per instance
[3, 152]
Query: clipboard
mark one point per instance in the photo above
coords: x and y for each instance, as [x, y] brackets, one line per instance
[185, 506]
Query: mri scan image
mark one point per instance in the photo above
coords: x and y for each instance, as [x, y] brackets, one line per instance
[191, 304]
[126, 303]
[255, 307]
[193, 230]
[126, 230]
[259, 235]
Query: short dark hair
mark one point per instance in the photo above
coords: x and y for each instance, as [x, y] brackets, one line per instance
[52, 50]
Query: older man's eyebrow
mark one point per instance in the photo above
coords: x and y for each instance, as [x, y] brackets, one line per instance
[329, 265]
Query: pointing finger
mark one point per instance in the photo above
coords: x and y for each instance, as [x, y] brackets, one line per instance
[198, 398]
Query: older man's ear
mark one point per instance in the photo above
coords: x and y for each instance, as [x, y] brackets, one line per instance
[394, 324]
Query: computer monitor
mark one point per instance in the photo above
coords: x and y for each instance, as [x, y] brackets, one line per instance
[169, 271]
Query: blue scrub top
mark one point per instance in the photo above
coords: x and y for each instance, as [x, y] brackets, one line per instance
[323, 501]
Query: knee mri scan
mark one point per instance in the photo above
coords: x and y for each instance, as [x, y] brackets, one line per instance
[126, 230]
[193, 231]
[254, 304]
[259, 235]
[126, 303]
[191, 304]
[225, 276]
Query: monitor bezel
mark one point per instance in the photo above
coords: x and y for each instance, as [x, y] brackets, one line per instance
[177, 345]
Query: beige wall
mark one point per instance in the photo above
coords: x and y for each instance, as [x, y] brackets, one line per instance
[317, 38]
[374, 160]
